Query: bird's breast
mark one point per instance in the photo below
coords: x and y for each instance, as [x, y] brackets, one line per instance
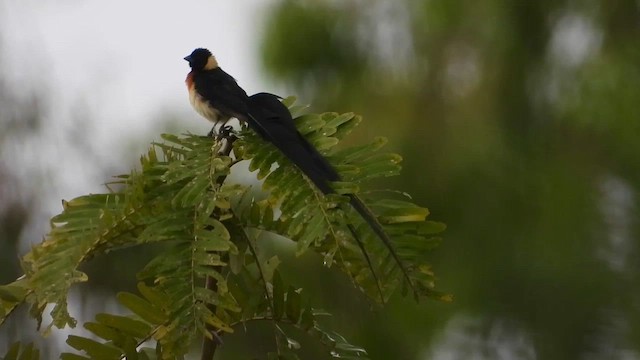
[189, 80]
[200, 104]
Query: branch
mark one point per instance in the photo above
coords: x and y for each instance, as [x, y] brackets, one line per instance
[210, 344]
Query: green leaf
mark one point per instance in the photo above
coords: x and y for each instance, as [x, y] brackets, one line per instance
[403, 215]
[325, 143]
[314, 229]
[343, 187]
[341, 119]
[357, 153]
[127, 325]
[190, 193]
[431, 227]
[153, 296]
[14, 292]
[309, 123]
[297, 109]
[289, 101]
[212, 297]
[207, 240]
[93, 348]
[142, 308]
[397, 211]
[104, 331]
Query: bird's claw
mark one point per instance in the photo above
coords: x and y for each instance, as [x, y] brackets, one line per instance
[226, 132]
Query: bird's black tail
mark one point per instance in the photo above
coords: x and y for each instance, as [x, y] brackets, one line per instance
[272, 120]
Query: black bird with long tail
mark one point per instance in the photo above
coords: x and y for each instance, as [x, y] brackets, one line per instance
[216, 95]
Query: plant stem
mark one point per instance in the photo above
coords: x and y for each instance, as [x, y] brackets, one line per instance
[210, 344]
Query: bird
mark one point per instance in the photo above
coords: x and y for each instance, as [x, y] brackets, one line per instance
[213, 93]
[216, 96]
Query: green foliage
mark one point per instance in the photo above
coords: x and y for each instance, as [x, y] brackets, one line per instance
[210, 278]
[288, 53]
[19, 351]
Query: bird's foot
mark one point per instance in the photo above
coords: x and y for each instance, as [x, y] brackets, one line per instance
[226, 132]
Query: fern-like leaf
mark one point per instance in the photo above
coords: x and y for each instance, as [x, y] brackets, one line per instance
[210, 277]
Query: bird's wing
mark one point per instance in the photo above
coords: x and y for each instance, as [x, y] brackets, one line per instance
[222, 92]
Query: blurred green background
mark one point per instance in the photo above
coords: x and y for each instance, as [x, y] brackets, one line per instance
[519, 124]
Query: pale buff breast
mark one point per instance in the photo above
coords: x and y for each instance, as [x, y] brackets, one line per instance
[201, 105]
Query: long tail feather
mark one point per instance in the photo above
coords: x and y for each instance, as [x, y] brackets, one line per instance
[375, 225]
[364, 252]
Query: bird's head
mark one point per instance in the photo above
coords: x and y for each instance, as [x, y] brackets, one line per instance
[201, 59]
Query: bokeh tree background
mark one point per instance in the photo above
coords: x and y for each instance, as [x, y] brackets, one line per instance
[519, 123]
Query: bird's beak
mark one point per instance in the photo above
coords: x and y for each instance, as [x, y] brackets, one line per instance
[188, 58]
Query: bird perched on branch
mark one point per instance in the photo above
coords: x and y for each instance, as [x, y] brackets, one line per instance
[213, 93]
[217, 96]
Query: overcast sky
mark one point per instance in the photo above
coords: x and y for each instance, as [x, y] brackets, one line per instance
[110, 71]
